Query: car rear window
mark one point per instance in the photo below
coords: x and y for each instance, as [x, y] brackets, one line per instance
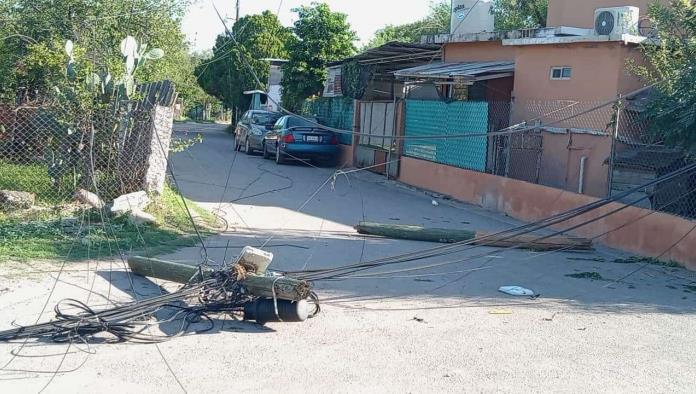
[265, 119]
[300, 122]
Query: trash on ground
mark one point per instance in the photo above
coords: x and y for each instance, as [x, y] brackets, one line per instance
[517, 291]
[500, 312]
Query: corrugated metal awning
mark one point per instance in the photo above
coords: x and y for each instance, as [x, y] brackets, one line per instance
[462, 71]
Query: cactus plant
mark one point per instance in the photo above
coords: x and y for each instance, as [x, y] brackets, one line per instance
[103, 84]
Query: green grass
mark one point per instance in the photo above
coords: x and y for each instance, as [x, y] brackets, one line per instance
[43, 236]
[30, 178]
[648, 260]
[587, 275]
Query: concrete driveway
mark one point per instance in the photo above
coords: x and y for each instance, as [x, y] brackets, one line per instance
[445, 329]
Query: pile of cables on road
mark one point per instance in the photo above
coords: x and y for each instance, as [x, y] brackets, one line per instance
[346, 271]
[221, 292]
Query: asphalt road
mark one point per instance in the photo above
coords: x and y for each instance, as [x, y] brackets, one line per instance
[449, 331]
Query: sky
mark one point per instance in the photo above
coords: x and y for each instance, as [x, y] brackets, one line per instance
[202, 25]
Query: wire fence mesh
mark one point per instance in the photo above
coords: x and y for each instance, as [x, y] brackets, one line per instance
[49, 154]
[587, 147]
[335, 112]
[640, 155]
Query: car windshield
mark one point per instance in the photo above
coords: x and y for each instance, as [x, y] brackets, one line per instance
[300, 122]
[266, 119]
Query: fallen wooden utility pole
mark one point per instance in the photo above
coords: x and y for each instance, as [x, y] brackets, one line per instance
[441, 235]
[279, 287]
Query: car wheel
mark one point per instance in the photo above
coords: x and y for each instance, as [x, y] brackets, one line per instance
[279, 159]
[266, 153]
[247, 147]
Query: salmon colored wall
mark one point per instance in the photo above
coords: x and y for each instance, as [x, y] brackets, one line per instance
[345, 156]
[594, 75]
[580, 13]
[481, 51]
[529, 202]
[597, 149]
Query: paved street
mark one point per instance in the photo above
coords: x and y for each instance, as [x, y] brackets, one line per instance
[449, 331]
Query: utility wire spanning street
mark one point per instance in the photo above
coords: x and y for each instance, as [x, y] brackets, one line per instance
[594, 327]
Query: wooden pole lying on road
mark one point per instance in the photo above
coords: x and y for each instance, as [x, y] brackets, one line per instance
[282, 288]
[418, 233]
[165, 270]
[415, 233]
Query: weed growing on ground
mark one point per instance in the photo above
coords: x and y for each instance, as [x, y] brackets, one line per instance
[74, 235]
[647, 260]
[587, 275]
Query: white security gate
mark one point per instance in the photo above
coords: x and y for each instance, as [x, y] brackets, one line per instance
[375, 145]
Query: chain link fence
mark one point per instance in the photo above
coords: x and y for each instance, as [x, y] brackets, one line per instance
[48, 154]
[639, 155]
[335, 112]
[587, 147]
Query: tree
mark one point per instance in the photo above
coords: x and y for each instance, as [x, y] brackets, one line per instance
[30, 26]
[671, 66]
[321, 36]
[226, 75]
[437, 22]
[519, 14]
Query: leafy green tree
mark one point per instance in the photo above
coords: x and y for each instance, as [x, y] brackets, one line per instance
[671, 65]
[437, 22]
[519, 14]
[226, 74]
[321, 36]
[98, 27]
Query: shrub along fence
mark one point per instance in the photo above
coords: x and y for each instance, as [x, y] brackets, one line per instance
[335, 112]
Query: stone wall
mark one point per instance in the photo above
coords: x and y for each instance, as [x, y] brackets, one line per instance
[159, 140]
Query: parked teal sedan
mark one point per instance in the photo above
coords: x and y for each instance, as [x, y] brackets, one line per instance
[294, 137]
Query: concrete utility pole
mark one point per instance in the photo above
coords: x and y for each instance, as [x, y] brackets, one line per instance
[237, 18]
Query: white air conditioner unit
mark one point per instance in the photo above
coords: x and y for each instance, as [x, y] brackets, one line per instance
[616, 20]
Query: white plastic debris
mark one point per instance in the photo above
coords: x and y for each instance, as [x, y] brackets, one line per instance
[516, 291]
[435, 203]
[255, 257]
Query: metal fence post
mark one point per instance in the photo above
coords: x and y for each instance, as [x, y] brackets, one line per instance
[614, 137]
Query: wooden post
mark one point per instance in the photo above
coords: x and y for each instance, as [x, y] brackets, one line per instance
[415, 233]
[165, 270]
[441, 235]
[284, 288]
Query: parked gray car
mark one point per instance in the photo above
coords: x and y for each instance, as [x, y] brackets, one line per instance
[251, 129]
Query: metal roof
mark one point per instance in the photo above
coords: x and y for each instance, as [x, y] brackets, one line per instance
[395, 52]
[468, 70]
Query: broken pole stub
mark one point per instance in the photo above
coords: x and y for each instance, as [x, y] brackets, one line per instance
[282, 288]
[165, 270]
[161, 137]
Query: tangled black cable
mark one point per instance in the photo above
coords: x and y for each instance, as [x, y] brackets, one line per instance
[221, 293]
